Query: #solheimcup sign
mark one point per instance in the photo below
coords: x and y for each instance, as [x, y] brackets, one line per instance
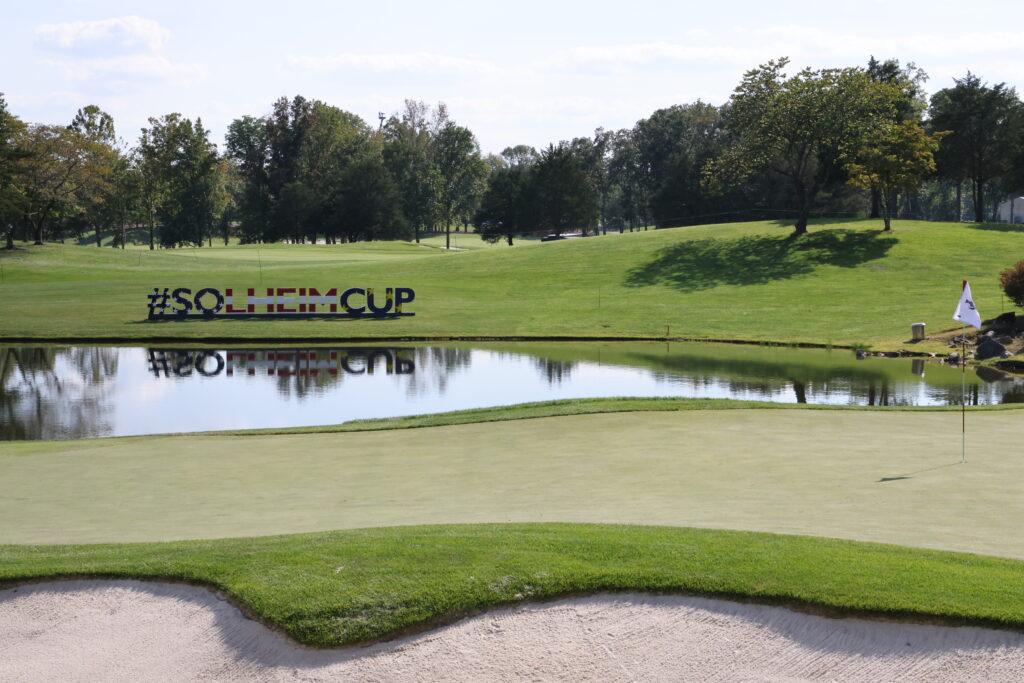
[279, 302]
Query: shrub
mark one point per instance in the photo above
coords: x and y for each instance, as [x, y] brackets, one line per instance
[1012, 282]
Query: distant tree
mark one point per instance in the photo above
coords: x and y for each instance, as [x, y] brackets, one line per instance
[461, 169]
[900, 156]
[985, 127]
[409, 158]
[249, 149]
[507, 208]
[154, 156]
[520, 155]
[96, 198]
[564, 194]
[368, 205]
[12, 158]
[673, 146]
[56, 175]
[183, 183]
[799, 127]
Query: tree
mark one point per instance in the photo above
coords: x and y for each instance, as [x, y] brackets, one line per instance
[799, 127]
[909, 104]
[460, 168]
[564, 194]
[55, 175]
[899, 157]
[181, 180]
[12, 156]
[985, 124]
[408, 156]
[368, 205]
[248, 147]
[153, 159]
[520, 155]
[673, 146]
[506, 208]
[96, 198]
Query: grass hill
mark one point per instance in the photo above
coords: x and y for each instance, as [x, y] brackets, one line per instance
[844, 283]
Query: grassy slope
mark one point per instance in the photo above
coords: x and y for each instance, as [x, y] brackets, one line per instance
[345, 587]
[878, 475]
[844, 283]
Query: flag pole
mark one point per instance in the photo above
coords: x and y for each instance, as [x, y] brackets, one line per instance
[963, 395]
[967, 314]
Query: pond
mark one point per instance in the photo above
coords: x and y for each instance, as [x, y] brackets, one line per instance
[58, 392]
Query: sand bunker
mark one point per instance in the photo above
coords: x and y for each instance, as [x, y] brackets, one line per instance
[133, 630]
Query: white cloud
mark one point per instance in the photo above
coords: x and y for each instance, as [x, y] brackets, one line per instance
[140, 66]
[126, 32]
[413, 62]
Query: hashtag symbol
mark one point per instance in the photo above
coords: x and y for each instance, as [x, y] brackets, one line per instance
[157, 302]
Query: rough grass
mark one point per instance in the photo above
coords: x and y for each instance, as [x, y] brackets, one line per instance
[346, 587]
[844, 283]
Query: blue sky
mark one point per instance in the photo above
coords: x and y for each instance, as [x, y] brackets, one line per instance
[524, 72]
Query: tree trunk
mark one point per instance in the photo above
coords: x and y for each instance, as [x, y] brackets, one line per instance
[509, 238]
[959, 201]
[38, 229]
[98, 239]
[875, 204]
[979, 201]
[152, 227]
[10, 238]
[448, 236]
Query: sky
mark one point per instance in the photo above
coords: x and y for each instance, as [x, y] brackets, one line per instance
[522, 72]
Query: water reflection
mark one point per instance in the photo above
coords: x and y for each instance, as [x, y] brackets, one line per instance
[45, 386]
[55, 392]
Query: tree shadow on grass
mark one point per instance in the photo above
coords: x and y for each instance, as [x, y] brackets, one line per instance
[998, 227]
[702, 264]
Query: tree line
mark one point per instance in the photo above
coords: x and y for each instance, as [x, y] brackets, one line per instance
[847, 142]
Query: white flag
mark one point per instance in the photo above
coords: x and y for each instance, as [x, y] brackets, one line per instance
[965, 310]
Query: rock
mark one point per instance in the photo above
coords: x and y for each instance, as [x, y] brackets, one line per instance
[1004, 339]
[989, 348]
[861, 354]
[1006, 319]
[953, 358]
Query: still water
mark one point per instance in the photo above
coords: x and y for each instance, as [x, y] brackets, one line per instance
[70, 392]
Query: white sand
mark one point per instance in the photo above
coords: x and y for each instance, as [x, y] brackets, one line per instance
[133, 630]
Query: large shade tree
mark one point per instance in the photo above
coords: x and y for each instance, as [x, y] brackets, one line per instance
[799, 127]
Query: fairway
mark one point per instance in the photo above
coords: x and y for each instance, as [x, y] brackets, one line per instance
[889, 476]
[844, 283]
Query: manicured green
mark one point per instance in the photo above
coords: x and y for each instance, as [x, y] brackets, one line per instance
[876, 475]
[346, 587]
[844, 283]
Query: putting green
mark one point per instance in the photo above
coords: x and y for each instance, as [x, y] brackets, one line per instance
[885, 476]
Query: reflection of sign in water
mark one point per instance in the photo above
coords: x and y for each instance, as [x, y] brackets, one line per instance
[208, 302]
[279, 362]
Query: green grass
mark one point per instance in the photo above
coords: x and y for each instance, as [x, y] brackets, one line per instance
[346, 587]
[844, 283]
[890, 476]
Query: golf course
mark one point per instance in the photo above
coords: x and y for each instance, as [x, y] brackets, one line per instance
[358, 532]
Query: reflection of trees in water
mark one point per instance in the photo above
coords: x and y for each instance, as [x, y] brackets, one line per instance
[434, 367]
[54, 392]
[554, 371]
[818, 384]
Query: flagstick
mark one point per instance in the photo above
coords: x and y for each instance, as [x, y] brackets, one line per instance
[963, 396]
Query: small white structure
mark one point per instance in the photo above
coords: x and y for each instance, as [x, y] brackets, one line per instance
[1012, 210]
